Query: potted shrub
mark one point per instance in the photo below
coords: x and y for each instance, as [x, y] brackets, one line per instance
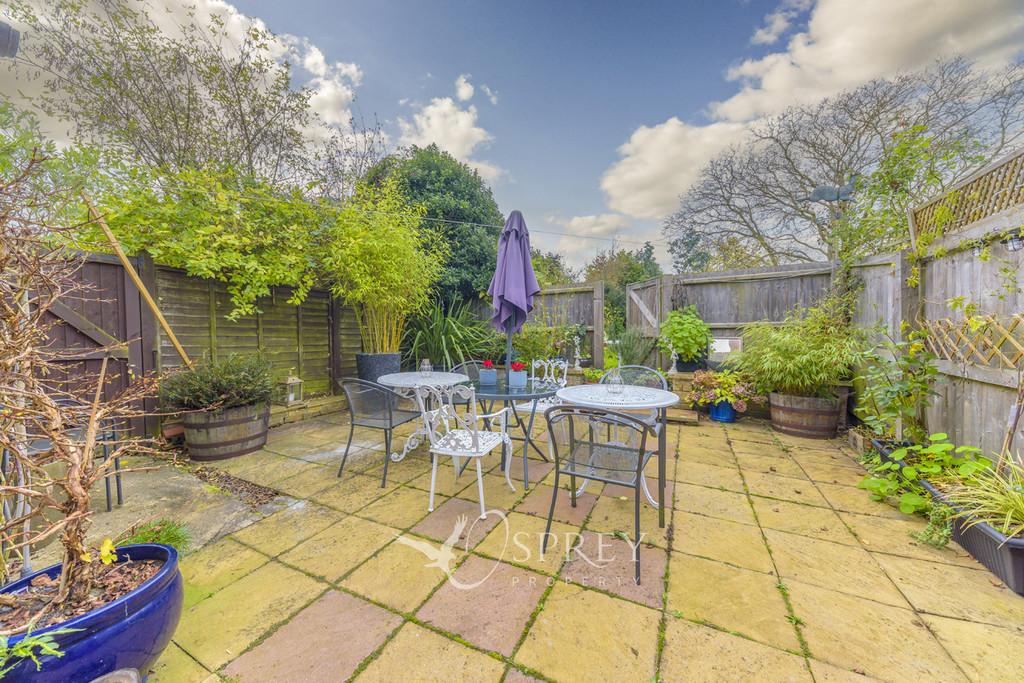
[895, 386]
[725, 393]
[988, 518]
[380, 260]
[632, 347]
[99, 609]
[686, 336]
[488, 373]
[225, 404]
[799, 362]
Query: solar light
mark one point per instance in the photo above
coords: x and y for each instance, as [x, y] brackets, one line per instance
[977, 250]
[1014, 242]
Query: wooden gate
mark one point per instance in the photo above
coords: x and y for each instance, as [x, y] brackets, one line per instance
[102, 320]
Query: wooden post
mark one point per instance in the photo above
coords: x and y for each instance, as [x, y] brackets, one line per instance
[598, 341]
[130, 269]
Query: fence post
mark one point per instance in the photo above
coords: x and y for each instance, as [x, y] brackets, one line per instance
[597, 343]
[334, 321]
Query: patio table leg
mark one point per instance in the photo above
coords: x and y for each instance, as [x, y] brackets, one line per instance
[526, 447]
[662, 440]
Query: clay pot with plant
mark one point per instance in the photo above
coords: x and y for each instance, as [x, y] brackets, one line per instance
[686, 336]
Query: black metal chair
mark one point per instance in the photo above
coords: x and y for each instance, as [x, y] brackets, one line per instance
[377, 407]
[580, 452]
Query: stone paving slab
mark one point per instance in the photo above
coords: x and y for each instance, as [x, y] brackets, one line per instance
[324, 642]
[221, 627]
[417, 654]
[698, 653]
[583, 635]
[327, 573]
[734, 599]
[488, 603]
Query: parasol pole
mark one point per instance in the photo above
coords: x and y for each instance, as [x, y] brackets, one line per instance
[508, 355]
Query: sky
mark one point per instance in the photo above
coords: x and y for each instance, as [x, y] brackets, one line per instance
[592, 117]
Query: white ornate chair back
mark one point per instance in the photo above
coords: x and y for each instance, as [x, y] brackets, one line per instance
[438, 421]
[555, 370]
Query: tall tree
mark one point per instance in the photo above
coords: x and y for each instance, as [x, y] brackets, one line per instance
[618, 268]
[463, 211]
[755, 194]
[171, 97]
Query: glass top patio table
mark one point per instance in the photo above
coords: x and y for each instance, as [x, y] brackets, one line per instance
[501, 391]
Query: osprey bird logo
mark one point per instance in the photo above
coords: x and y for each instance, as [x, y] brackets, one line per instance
[443, 557]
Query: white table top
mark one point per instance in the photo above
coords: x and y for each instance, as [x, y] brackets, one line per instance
[409, 380]
[632, 397]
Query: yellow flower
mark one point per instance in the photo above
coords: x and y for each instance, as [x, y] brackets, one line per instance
[108, 553]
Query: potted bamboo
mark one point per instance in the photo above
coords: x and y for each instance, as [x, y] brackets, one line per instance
[225, 405]
[799, 362]
[380, 260]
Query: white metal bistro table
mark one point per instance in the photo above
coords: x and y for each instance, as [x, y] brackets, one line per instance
[404, 383]
[628, 398]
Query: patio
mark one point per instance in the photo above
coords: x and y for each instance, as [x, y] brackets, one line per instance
[773, 567]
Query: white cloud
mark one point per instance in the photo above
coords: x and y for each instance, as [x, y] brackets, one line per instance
[453, 129]
[463, 88]
[602, 225]
[659, 162]
[779, 21]
[845, 43]
[492, 95]
[849, 42]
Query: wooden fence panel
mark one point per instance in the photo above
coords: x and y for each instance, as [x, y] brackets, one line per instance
[299, 339]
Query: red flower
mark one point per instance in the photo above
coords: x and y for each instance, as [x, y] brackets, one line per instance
[518, 367]
[488, 364]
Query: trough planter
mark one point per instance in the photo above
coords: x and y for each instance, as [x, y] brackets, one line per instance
[370, 366]
[1001, 555]
[127, 634]
[692, 365]
[226, 433]
[806, 416]
[885, 450]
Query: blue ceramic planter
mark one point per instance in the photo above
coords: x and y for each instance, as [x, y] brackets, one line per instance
[488, 376]
[517, 380]
[129, 633]
[723, 412]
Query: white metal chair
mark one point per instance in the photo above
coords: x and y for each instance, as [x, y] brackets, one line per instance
[552, 371]
[458, 435]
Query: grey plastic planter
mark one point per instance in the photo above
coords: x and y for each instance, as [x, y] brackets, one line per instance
[370, 366]
[1001, 555]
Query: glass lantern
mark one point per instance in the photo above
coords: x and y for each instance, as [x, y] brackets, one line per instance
[614, 379]
[291, 390]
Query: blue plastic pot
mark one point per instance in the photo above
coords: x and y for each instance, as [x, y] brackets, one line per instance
[129, 633]
[723, 412]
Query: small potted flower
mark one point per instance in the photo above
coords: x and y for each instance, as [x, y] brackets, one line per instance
[517, 375]
[488, 373]
[724, 392]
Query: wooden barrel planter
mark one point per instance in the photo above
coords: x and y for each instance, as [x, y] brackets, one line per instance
[226, 433]
[813, 418]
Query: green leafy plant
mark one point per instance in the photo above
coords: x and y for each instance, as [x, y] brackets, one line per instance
[632, 347]
[233, 381]
[537, 342]
[165, 531]
[33, 647]
[900, 478]
[685, 334]
[448, 337]
[709, 388]
[809, 353]
[593, 375]
[938, 530]
[993, 496]
[896, 385]
[216, 224]
[382, 261]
